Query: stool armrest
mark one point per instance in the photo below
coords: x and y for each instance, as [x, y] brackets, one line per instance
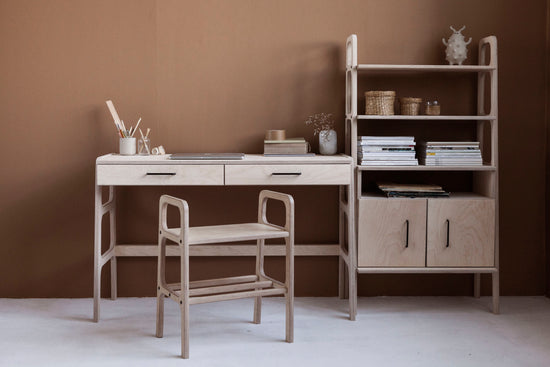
[287, 200]
[165, 201]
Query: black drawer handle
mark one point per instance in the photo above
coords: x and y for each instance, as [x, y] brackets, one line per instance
[407, 237]
[161, 173]
[286, 173]
[448, 229]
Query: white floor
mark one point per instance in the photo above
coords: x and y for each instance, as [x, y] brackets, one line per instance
[393, 331]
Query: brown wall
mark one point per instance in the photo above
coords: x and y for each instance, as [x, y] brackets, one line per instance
[213, 76]
[547, 118]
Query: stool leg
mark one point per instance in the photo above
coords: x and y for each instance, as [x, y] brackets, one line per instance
[160, 314]
[184, 330]
[184, 300]
[259, 272]
[161, 269]
[290, 289]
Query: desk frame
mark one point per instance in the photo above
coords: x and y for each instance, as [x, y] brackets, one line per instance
[347, 272]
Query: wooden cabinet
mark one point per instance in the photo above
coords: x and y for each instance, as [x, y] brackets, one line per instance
[461, 232]
[392, 232]
[457, 232]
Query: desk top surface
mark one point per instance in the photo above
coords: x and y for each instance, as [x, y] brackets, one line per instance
[248, 159]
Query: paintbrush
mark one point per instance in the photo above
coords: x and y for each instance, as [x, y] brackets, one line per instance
[132, 133]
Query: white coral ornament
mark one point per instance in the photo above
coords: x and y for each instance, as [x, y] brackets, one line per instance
[456, 51]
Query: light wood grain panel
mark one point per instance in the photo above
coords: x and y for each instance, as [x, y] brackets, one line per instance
[288, 174]
[382, 232]
[470, 230]
[248, 159]
[162, 175]
[127, 250]
[234, 233]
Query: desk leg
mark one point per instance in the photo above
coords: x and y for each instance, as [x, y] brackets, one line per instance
[352, 262]
[342, 239]
[97, 251]
[100, 259]
[112, 241]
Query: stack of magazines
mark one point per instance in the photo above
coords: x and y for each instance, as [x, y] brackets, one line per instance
[447, 153]
[386, 151]
[393, 190]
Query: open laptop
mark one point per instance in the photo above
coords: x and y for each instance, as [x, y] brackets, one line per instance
[207, 156]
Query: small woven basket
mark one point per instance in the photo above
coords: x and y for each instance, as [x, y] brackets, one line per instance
[379, 102]
[410, 105]
[433, 108]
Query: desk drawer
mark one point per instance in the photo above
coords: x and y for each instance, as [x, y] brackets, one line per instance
[159, 174]
[296, 174]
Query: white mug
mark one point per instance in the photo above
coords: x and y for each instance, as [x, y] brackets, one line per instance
[127, 146]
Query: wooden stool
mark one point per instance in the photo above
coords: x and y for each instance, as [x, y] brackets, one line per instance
[203, 291]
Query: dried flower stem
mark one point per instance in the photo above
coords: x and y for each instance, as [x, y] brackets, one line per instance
[320, 122]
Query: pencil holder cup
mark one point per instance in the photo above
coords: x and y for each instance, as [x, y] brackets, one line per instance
[144, 146]
[127, 146]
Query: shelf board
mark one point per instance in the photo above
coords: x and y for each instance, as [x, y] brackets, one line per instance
[364, 270]
[453, 196]
[427, 168]
[427, 68]
[427, 117]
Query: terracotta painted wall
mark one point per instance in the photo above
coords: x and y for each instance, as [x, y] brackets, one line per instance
[547, 116]
[213, 76]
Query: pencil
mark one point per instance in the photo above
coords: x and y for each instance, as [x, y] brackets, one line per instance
[132, 134]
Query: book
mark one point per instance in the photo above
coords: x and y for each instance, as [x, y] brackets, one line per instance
[284, 148]
[391, 154]
[408, 187]
[375, 148]
[404, 138]
[388, 163]
[412, 190]
[289, 155]
[379, 143]
[451, 143]
[285, 141]
[454, 153]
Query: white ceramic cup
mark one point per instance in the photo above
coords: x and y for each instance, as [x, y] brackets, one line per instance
[127, 146]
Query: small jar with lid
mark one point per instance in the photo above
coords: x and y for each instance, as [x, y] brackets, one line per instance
[433, 108]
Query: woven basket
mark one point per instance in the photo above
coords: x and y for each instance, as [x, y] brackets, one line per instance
[410, 105]
[379, 102]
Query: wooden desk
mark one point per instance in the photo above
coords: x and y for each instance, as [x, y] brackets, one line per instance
[115, 170]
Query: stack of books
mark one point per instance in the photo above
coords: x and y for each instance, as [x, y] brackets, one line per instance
[411, 190]
[386, 151]
[293, 146]
[458, 153]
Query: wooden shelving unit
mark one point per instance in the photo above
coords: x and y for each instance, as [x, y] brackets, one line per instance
[429, 235]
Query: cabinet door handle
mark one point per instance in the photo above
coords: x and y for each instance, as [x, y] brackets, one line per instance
[161, 173]
[448, 229]
[286, 173]
[407, 234]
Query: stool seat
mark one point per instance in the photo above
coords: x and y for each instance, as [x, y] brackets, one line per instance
[228, 233]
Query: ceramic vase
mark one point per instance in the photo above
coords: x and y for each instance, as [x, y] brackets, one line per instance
[328, 142]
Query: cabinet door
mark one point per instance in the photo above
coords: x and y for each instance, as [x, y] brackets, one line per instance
[392, 232]
[461, 232]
